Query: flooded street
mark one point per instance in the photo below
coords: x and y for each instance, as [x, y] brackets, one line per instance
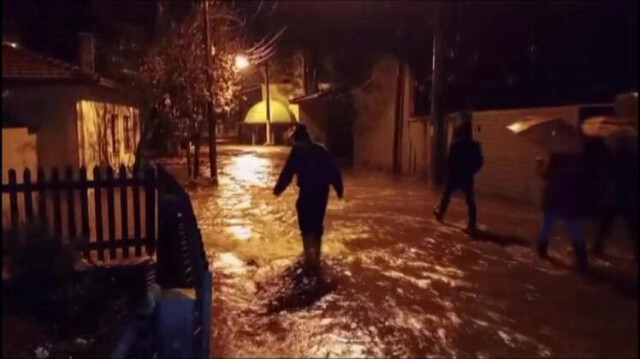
[397, 282]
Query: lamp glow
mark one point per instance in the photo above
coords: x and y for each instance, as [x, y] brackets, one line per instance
[241, 62]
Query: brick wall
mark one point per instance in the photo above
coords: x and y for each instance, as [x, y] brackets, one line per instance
[509, 161]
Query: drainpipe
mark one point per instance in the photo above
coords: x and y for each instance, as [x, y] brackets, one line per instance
[268, 103]
[437, 143]
[397, 133]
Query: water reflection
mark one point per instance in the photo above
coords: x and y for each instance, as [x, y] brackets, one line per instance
[249, 169]
[395, 282]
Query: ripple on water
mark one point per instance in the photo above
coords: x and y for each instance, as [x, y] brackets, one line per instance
[403, 284]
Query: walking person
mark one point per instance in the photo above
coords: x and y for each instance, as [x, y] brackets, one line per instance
[463, 162]
[622, 200]
[563, 199]
[316, 172]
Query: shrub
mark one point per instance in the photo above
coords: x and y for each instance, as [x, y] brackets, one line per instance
[33, 252]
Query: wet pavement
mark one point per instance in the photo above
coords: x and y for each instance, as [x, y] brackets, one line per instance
[398, 283]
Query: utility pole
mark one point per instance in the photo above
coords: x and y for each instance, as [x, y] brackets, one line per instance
[435, 130]
[397, 130]
[268, 102]
[213, 163]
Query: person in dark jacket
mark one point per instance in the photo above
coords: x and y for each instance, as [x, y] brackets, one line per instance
[598, 196]
[464, 161]
[563, 199]
[316, 172]
[622, 185]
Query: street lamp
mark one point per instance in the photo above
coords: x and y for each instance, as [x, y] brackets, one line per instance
[242, 62]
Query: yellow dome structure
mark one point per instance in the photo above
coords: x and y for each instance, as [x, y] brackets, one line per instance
[280, 113]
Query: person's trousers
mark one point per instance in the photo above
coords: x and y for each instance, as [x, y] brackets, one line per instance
[311, 208]
[467, 187]
[574, 230]
[630, 217]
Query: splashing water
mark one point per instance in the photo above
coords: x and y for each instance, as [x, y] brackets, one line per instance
[394, 283]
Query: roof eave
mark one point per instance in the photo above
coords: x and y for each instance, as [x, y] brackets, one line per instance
[49, 81]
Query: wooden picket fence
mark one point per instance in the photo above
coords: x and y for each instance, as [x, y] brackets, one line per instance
[74, 207]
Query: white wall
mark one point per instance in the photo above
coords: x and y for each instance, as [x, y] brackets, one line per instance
[509, 161]
[19, 153]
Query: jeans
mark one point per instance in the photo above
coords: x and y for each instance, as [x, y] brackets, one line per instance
[311, 207]
[574, 230]
[629, 215]
[467, 187]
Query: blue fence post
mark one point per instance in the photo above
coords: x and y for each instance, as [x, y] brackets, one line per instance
[206, 292]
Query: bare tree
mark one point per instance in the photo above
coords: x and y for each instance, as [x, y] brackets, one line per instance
[176, 69]
[167, 66]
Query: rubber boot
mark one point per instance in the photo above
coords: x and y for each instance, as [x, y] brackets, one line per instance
[542, 248]
[472, 231]
[317, 251]
[582, 263]
[437, 212]
[311, 253]
[598, 248]
[308, 250]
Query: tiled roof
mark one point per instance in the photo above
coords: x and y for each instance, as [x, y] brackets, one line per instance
[20, 64]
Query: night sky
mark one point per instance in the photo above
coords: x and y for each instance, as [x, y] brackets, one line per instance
[500, 54]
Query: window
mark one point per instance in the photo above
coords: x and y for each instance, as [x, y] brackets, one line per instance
[114, 135]
[128, 135]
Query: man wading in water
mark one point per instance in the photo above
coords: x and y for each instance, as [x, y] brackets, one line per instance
[316, 172]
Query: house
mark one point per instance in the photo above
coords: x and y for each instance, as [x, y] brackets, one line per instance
[19, 144]
[389, 135]
[79, 118]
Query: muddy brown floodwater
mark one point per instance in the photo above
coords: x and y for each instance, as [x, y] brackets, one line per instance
[397, 283]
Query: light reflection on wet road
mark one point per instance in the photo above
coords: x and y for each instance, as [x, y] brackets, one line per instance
[399, 283]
